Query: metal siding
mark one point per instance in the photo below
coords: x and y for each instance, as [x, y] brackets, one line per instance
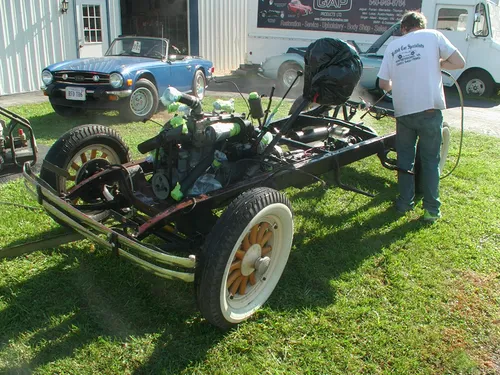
[223, 32]
[34, 34]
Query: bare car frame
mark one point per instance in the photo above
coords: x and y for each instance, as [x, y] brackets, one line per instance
[204, 205]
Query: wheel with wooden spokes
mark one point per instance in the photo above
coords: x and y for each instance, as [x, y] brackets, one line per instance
[244, 256]
[80, 153]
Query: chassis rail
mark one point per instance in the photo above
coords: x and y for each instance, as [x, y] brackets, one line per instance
[160, 262]
[107, 237]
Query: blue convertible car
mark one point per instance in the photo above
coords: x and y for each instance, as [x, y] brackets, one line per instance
[130, 78]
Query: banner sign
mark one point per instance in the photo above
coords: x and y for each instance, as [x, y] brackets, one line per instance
[360, 16]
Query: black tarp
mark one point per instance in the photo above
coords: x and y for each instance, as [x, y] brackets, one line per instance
[332, 71]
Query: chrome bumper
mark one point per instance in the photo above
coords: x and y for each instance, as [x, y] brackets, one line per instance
[106, 237]
[119, 93]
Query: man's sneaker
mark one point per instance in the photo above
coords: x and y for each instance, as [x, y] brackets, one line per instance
[431, 217]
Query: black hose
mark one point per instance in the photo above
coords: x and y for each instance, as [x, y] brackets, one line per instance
[460, 94]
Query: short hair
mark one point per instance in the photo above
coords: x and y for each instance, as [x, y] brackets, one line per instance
[413, 20]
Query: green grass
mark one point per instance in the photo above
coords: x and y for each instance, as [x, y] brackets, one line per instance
[365, 291]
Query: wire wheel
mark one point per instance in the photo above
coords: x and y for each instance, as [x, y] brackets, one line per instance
[245, 255]
[141, 102]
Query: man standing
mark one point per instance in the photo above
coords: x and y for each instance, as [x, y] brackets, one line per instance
[411, 68]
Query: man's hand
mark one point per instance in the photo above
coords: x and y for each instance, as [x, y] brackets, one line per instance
[385, 85]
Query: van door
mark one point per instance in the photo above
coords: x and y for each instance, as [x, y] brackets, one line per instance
[92, 27]
[483, 53]
[455, 22]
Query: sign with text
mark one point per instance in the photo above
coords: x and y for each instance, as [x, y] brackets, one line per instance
[360, 16]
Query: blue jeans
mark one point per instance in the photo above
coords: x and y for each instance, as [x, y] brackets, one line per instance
[425, 127]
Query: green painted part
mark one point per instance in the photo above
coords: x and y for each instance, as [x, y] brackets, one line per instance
[253, 95]
[179, 121]
[235, 130]
[216, 163]
[224, 105]
[177, 193]
[173, 107]
[266, 139]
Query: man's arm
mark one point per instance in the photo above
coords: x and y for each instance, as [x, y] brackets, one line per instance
[385, 85]
[455, 61]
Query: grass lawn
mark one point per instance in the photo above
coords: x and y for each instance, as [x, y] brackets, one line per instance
[365, 291]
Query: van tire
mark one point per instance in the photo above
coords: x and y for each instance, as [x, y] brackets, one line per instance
[477, 83]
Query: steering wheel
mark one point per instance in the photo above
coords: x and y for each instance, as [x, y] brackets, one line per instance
[154, 52]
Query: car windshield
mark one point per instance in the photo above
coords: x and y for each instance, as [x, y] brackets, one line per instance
[132, 46]
[495, 21]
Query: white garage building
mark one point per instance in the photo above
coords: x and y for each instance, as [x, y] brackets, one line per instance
[37, 33]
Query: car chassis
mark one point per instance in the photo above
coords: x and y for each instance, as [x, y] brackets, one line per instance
[237, 258]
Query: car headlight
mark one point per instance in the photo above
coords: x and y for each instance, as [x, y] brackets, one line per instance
[116, 80]
[47, 77]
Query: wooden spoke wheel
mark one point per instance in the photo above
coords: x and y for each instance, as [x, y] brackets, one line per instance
[244, 256]
[81, 152]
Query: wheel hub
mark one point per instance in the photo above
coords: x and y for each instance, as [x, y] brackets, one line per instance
[261, 265]
[87, 170]
[251, 258]
[476, 87]
[90, 168]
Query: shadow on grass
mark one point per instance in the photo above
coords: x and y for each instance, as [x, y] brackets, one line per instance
[86, 298]
[317, 259]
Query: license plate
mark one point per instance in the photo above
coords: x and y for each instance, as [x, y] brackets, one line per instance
[75, 93]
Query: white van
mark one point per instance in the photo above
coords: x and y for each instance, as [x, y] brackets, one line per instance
[472, 26]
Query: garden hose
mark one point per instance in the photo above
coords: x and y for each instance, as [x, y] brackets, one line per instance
[461, 124]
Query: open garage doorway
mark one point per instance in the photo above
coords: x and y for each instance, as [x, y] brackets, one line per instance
[167, 18]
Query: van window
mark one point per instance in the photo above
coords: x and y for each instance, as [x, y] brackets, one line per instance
[452, 19]
[495, 21]
[480, 21]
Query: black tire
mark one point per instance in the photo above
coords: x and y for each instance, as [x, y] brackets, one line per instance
[88, 140]
[477, 83]
[286, 74]
[199, 85]
[142, 103]
[64, 111]
[258, 216]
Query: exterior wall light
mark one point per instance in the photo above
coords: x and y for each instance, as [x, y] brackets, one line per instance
[64, 6]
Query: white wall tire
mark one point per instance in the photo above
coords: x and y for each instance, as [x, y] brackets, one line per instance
[244, 257]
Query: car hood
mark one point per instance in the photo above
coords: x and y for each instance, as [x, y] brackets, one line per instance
[106, 64]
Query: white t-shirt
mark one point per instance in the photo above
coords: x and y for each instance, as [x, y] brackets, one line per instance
[411, 62]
